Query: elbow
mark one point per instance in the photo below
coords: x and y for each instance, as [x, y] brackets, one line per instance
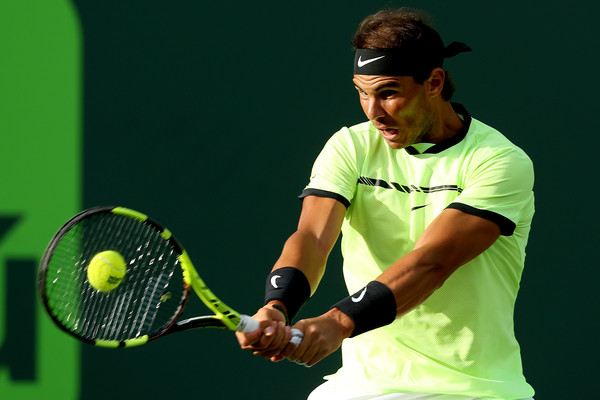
[435, 270]
[439, 273]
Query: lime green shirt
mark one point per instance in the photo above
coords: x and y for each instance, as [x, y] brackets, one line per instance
[461, 339]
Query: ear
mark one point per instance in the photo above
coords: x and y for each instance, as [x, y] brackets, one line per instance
[436, 81]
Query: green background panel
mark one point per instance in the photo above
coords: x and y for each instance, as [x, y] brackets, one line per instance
[40, 174]
[208, 116]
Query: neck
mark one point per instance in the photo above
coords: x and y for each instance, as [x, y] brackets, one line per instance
[448, 123]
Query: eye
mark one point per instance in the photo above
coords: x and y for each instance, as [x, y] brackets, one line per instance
[361, 92]
[387, 93]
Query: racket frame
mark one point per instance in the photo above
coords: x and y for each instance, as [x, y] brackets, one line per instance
[224, 316]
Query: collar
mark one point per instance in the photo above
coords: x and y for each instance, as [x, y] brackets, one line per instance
[441, 146]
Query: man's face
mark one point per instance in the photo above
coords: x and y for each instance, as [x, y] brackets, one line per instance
[397, 106]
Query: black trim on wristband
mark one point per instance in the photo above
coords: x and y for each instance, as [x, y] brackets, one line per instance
[290, 286]
[372, 307]
[282, 310]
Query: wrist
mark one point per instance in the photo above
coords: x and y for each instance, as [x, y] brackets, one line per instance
[277, 305]
[344, 322]
[271, 311]
[372, 307]
[288, 287]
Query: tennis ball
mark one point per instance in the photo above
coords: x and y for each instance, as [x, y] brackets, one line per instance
[106, 270]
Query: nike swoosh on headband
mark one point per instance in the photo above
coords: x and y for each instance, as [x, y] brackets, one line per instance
[362, 63]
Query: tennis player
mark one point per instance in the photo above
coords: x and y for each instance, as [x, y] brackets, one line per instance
[435, 209]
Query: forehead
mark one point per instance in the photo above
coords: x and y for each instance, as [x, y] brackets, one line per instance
[377, 81]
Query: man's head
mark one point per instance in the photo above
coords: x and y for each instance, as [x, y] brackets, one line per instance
[402, 44]
[398, 73]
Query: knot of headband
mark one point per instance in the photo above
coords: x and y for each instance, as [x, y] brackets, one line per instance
[402, 61]
[455, 48]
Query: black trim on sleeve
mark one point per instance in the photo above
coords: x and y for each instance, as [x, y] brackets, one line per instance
[507, 227]
[325, 193]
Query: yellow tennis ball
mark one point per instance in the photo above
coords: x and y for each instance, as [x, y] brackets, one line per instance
[106, 270]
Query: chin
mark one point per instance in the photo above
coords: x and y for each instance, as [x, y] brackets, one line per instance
[395, 145]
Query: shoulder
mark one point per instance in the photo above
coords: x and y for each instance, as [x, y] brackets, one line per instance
[359, 133]
[354, 141]
[486, 143]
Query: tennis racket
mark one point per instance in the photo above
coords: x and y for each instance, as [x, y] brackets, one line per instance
[151, 297]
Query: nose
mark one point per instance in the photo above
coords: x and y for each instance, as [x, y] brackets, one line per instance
[373, 109]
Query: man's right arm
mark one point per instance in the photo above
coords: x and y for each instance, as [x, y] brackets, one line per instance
[307, 249]
[318, 229]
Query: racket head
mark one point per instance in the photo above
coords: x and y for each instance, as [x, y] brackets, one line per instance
[147, 302]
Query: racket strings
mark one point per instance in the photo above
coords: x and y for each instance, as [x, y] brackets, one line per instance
[148, 299]
[99, 305]
[124, 306]
[98, 231]
[113, 311]
[157, 283]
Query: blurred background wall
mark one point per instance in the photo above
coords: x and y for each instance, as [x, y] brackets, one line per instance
[208, 115]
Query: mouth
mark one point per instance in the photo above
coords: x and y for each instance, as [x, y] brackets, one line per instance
[388, 133]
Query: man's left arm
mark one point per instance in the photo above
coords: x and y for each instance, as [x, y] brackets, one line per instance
[451, 240]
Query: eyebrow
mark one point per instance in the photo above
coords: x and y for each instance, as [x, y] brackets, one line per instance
[387, 85]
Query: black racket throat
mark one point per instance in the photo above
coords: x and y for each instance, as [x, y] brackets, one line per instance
[196, 323]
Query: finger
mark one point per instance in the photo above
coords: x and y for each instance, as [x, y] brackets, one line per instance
[297, 337]
[273, 344]
[310, 357]
[309, 352]
[280, 340]
[291, 342]
[266, 338]
[247, 340]
[258, 341]
[315, 359]
[293, 352]
[294, 342]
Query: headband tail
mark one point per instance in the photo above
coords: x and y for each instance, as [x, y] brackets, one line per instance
[455, 48]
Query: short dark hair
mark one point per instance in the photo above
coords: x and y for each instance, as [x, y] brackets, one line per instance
[405, 28]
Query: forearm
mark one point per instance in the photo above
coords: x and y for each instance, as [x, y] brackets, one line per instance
[305, 252]
[413, 278]
[318, 229]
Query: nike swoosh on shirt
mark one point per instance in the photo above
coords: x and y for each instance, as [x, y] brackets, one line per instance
[362, 63]
[417, 207]
[360, 296]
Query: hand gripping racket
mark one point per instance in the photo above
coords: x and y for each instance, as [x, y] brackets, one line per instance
[151, 297]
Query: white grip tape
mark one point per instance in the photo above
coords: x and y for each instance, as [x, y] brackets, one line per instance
[247, 324]
[297, 337]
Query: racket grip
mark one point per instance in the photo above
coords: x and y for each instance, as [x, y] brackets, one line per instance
[297, 337]
[247, 324]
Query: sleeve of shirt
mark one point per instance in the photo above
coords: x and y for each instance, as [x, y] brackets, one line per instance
[499, 188]
[335, 171]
